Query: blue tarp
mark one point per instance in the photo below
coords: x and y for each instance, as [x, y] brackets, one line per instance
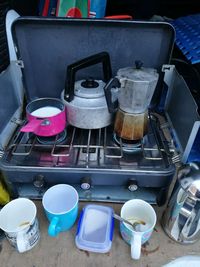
[188, 36]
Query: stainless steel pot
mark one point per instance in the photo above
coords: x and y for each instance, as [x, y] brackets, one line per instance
[181, 219]
[85, 99]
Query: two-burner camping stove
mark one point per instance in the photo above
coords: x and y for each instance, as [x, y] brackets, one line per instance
[101, 166]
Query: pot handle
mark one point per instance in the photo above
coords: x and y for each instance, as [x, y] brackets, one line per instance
[31, 126]
[102, 57]
[112, 105]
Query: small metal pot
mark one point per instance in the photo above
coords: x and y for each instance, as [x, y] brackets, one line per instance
[46, 117]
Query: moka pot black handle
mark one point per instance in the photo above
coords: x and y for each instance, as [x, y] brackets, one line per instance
[112, 105]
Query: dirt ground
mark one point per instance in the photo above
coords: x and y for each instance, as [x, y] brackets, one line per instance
[61, 251]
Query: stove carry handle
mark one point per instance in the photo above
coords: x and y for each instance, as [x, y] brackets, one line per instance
[102, 57]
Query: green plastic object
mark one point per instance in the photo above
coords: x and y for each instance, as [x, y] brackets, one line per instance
[72, 8]
[4, 196]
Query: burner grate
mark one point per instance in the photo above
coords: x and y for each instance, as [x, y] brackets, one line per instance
[90, 148]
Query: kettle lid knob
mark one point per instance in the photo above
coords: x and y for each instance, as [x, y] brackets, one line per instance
[89, 83]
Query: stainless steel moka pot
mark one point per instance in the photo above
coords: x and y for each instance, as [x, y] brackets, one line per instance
[181, 219]
[136, 86]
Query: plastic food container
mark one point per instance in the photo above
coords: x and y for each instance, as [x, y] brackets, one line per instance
[95, 229]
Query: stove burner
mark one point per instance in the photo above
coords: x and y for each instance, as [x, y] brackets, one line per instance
[51, 140]
[129, 146]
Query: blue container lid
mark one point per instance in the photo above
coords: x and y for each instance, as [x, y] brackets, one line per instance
[95, 229]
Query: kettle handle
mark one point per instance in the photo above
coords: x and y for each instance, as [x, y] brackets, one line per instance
[188, 219]
[102, 57]
[112, 105]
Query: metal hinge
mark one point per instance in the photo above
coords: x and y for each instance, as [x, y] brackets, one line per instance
[17, 121]
[175, 155]
[169, 74]
[20, 63]
[167, 67]
[176, 159]
[164, 125]
[1, 154]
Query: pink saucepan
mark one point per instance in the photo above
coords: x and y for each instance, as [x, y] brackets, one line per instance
[46, 117]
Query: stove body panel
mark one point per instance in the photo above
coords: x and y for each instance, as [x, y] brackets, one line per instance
[92, 155]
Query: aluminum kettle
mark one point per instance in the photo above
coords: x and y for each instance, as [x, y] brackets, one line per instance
[181, 219]
[85, 99]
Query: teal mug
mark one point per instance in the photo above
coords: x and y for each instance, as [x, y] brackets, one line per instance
[60, 203]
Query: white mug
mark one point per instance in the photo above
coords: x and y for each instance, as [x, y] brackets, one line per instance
[137, 210]
[18, 221]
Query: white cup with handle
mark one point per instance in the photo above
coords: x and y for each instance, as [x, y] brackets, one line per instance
[19, 222]
[143, 215]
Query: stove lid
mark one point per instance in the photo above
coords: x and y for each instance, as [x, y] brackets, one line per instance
[47, 46]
